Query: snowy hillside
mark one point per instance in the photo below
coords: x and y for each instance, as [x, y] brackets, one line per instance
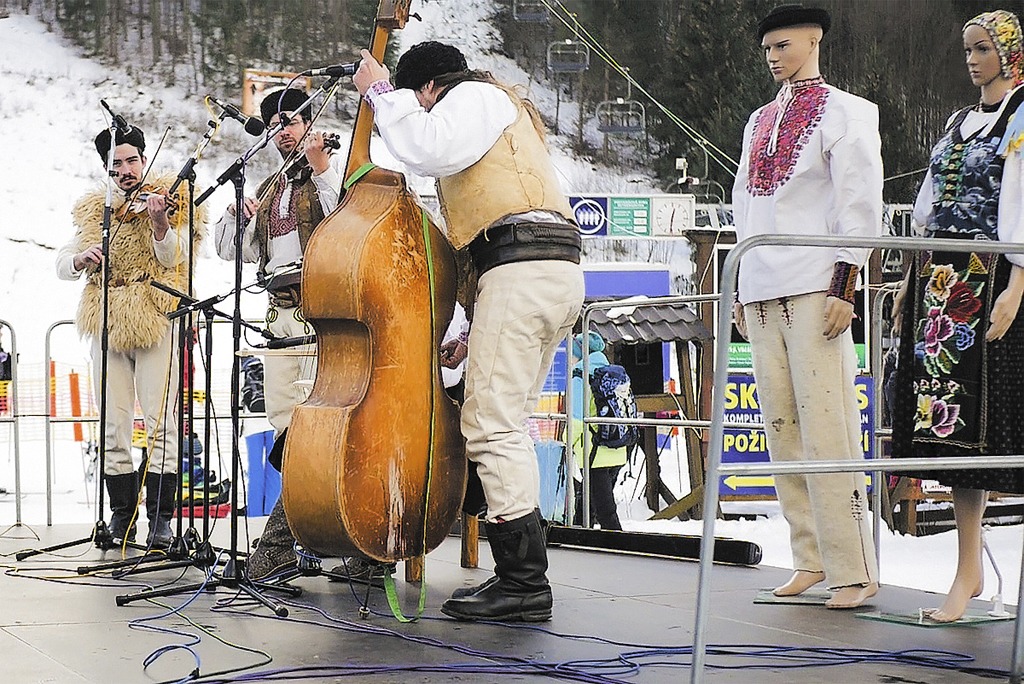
[53, 96]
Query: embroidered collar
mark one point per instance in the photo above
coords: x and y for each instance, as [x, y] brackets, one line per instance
[805, 83]
[787, 93]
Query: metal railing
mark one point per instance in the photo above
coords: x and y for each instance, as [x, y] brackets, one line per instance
[587, 315]
[715, 469]
[51, 420]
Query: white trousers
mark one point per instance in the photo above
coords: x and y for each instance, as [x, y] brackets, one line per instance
[281, 391]
[151, 376]
[523, 310]
[805, 384]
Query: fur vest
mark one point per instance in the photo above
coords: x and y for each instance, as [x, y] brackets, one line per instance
[136, 310]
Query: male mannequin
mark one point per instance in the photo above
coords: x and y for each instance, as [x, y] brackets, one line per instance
[811, 165]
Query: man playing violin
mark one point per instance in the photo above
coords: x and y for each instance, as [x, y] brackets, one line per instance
[278, 226]
[149, 241]
[502, 203]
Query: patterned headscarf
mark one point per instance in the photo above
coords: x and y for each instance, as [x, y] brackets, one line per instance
[1004, 29]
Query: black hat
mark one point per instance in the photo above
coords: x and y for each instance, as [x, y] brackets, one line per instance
[133, 137]
[424, 62]
[287, 100]
[794, 15]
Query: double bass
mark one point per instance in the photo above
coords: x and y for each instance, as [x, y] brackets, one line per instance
[374, 461]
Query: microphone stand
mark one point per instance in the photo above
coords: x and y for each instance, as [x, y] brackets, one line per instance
[101, 533]
[232, 576]
[182, 543]
[205, 554]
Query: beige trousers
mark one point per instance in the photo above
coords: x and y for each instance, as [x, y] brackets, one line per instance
[151, 375]
[523, 310]
[280, 390]
[805, 384]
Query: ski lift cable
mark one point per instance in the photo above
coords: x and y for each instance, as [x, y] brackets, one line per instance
[623, 71]
[714, 152]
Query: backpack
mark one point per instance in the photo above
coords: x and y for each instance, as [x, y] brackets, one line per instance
[5, 365]
[613, 396]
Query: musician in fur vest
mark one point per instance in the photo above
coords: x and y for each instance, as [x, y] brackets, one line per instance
[149, 241]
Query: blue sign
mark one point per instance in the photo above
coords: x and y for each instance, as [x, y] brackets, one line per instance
[555, 380]
[749, 446]
[591, 214]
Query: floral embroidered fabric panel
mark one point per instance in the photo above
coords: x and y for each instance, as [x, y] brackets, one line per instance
[772, 161]
[949, 349]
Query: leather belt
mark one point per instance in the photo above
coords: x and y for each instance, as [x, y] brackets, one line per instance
[285, 290]
[286, 297]
[514, 242]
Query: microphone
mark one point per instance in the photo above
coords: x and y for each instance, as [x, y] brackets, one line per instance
[253, 126]
[335, 70]
[123, 127]
[286, 342]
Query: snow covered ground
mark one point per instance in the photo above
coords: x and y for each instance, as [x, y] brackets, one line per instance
[49, 99]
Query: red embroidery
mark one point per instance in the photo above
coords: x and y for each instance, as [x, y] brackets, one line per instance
[768, 172]
[282, 225]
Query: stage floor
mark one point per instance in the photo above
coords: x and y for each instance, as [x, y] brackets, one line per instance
[69, 631]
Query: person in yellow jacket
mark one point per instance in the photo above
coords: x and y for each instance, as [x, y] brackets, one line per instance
[606, 462]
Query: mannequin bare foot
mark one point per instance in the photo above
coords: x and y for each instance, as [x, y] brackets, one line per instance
[852, 596]
[956, 601]
[801, 581]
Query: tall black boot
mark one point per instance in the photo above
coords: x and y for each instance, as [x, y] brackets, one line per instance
[123, 491]
[160, 494]
[521, 592]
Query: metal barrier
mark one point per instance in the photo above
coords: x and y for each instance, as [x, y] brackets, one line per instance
[715, 469]
[49, 420]
[12, 408]
[587, 419]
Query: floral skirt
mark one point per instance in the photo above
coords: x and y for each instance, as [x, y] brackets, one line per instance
[957, 394]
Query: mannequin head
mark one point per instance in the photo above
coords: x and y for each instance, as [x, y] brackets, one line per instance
[792, 52]
[994, 47]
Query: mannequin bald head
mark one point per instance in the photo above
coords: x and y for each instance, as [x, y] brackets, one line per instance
[792, 52]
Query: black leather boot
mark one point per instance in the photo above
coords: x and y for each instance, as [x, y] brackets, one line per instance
[160, 494]
[123, 491]
[521, 592]
[469, 591]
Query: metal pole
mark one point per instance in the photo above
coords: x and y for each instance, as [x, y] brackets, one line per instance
[711, 479]
[570, 438]
[1017, 664]
[47, 425]
[878, 371]
[12, 403]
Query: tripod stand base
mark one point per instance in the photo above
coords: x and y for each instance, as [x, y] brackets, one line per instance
[100, 536]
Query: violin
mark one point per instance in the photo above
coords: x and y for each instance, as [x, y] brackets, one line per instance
[332, 142]
[136, 203]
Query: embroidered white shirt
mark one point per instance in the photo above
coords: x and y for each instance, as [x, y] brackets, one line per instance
[824, 178]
